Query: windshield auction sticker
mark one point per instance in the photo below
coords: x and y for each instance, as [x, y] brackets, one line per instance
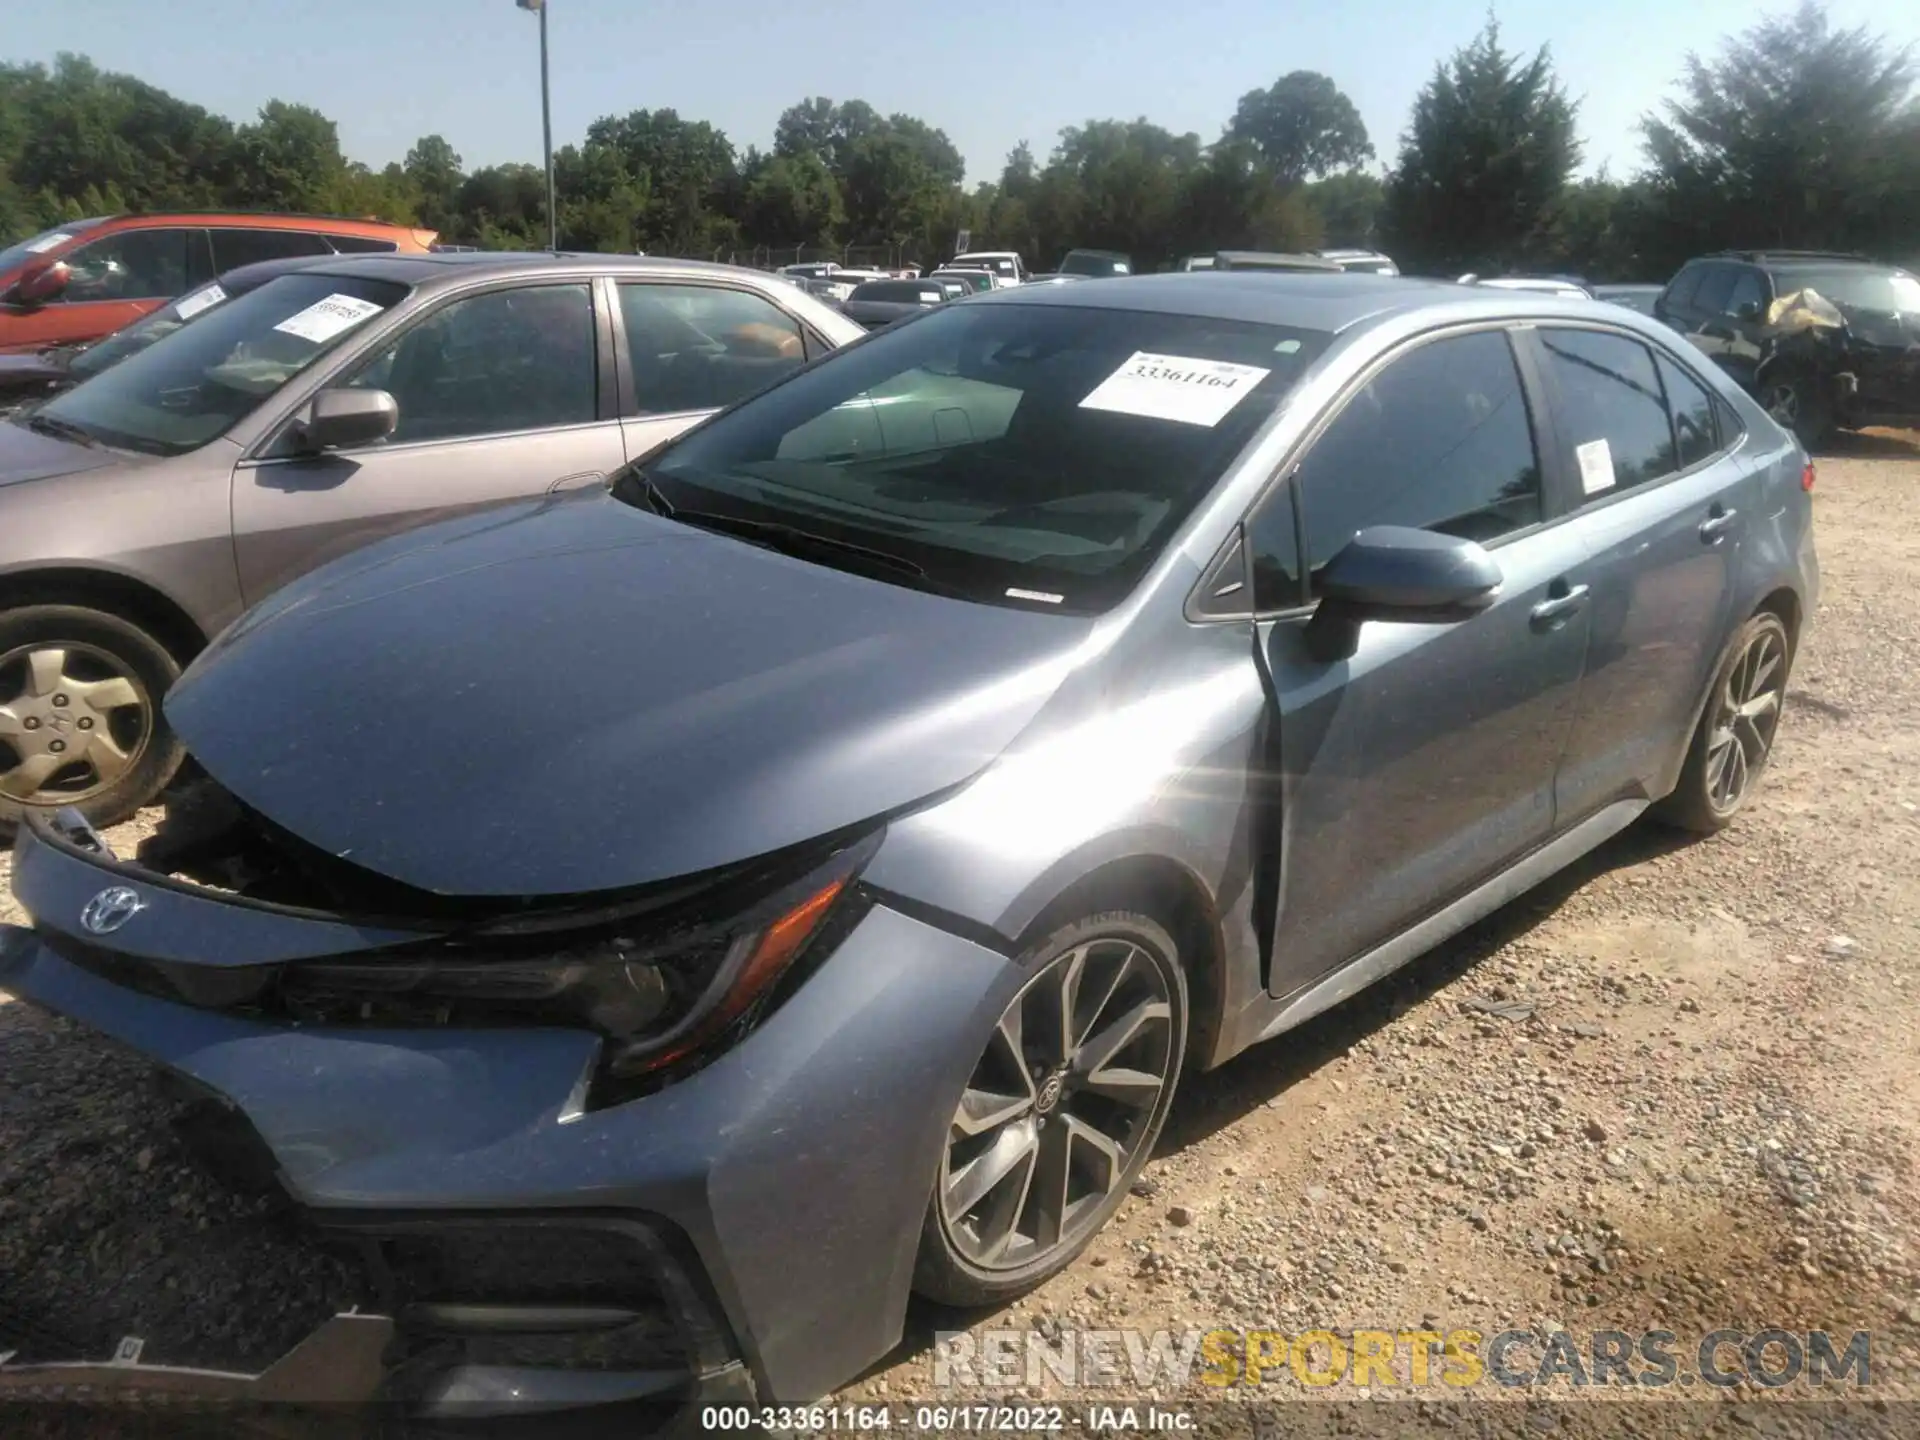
[200, 300]
[324, 319]
[1175, 387]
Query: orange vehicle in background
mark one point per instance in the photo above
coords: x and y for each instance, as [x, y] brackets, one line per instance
[77, 282]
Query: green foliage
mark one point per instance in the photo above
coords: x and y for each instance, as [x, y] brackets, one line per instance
[1302, 126]
[1798, 134]
[1484, 164]
[1794, 134]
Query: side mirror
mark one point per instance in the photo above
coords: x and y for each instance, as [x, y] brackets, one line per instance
[338, 419]
[1396, 573]
[1749, 310]
[37, 287]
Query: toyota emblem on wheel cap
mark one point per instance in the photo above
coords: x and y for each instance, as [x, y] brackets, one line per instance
[110, 909]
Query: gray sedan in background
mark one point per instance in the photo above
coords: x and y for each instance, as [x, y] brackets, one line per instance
[801, 872]
[354, 397]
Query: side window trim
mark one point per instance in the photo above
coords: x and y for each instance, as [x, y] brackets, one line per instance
[607, 367]
[1532, 392]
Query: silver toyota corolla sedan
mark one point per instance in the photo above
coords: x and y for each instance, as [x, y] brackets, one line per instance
[857, 817]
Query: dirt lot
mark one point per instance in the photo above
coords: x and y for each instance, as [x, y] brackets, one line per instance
[1674, 1089]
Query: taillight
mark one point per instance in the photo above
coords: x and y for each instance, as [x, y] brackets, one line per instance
[1806, 476]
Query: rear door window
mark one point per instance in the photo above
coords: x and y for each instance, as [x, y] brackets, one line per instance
[234, 248]
[699, 347]
[362, 245]
[1694, 431]
[1611, 408]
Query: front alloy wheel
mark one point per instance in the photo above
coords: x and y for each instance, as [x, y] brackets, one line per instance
[1060, 1113]
[80, 718]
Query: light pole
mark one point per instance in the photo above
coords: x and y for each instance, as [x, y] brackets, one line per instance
[546, 121]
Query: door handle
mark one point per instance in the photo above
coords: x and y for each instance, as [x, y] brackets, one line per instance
[1557, 606]
[576, 482]
[1719, 520]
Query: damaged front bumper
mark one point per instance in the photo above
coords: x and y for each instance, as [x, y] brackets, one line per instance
[755, 1222]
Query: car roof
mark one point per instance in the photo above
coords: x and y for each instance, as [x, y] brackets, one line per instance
[437, 269]
[1307, 300]
[265, 220]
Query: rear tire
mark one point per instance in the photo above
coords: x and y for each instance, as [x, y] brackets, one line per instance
[80, 716]
[1080, 1105]
[1734, 739]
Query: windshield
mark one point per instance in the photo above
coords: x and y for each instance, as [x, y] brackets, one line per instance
[1033, 454]
[999, 264]
[143, 332]
[1891, 291]
[39, 244]
[1095, 265]
[200, 381]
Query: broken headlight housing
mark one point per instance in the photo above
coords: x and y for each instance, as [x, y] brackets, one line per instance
[659, 989]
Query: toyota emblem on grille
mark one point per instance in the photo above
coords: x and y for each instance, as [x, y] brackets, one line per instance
[110, 909]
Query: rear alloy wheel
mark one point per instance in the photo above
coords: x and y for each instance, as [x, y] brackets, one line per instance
[1060, 1113]
[80, 720]
[1734, 741]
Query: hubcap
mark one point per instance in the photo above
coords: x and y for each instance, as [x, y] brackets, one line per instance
[73, 720]
[1059, 1107]
[1783, 404]
[1747, 713]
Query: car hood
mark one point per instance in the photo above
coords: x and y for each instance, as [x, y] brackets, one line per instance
[577, 696]
[27, 455]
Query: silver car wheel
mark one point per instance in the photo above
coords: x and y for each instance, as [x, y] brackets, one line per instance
[73, 720]
[1060, 1107]
[1747, 714]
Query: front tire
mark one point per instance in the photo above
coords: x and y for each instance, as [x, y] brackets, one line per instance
[80, 717]
[1734, 740]
[1799, 403]
[1061, 1111]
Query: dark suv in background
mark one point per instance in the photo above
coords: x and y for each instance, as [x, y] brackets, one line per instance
[1823, 341]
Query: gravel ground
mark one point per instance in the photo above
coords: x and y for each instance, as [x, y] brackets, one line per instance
[1674, 1088]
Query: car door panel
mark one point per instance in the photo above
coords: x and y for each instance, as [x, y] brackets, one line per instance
[293, 515]
[1423, 762]
[1663, 548]
[1421, 765]
[473, 380]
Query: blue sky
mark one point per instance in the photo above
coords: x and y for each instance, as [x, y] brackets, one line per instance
[389, 71]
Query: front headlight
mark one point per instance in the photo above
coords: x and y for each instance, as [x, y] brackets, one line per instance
[658, 994]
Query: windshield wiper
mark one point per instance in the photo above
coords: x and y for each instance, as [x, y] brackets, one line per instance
[636, 486]
[61, 430]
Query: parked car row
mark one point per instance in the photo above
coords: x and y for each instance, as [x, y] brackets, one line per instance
[790, 860]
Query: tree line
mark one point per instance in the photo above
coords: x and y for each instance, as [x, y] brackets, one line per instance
[1794, 133]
